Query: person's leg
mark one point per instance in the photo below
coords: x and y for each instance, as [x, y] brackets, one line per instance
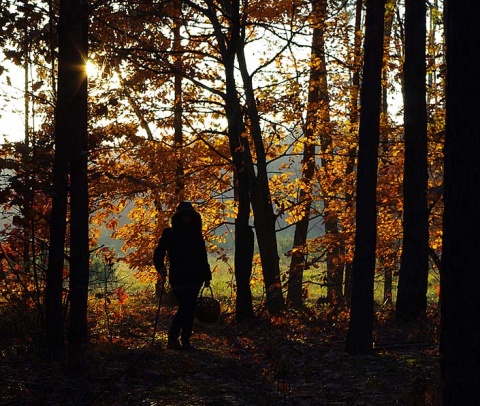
[177, 321]
[188, 315]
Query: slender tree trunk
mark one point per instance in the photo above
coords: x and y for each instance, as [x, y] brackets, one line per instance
[243, 251]
[178, 104]
[413, 276]
[239, 147]
[352, 152]
[231, 45]
[460, 273]
[244, 236]
[79, 217]
[297, 263]
[334, 276]
[384, 125]
[264, 216]
[388, 287]
[359, 338]
[389, 15]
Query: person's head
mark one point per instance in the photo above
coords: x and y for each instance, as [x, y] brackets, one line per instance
[184, 206]
[186, 216]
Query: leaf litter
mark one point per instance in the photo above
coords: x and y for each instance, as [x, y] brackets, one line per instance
[296, 358]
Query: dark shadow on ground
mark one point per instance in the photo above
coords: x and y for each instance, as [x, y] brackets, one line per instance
[291, 360]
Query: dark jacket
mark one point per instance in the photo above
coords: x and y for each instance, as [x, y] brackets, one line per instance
[186, 250]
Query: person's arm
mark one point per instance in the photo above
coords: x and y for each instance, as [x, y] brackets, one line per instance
[160, 253]
[205, 266]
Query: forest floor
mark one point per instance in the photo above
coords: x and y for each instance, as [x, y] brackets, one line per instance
[293, 359]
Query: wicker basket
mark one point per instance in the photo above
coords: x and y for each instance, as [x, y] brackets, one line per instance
[208, 308]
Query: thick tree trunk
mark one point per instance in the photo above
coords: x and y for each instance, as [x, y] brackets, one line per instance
[460, 273]
[359, 338]
[70, 107]
[79, 250]
[79, 253]
[413, 276]
[54, 320]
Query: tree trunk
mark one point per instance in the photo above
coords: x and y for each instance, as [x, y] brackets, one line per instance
[230, 44]
[79, 252]
[386, 129]
[264, 216]
[317, 122]
[69, 80]
[352, 152]
[460, 273]
[389, 16]
[178, 103]
[54, 320]
[359, 337]
[244, 248]
[297, 262]
[413, 276]
[244, 236]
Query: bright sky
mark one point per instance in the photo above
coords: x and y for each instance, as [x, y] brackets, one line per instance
[12, 108]
[11, 104]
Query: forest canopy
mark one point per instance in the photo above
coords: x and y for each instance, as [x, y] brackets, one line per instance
[283, 123]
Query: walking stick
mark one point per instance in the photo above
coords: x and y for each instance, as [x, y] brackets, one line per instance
[158, 313]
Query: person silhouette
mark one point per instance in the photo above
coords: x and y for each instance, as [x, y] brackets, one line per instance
[184, 245]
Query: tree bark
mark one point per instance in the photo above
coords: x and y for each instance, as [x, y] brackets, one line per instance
[230, 42]
[413, 276]
[385, 127]
[54, 320]
[359, 337]
[244, 236]
[244, 249]
[264, 216]
[178, 103]
[460, 270]
[239, 148]
[69, 105]
[297, 262]
[79, 204]
[352, 152]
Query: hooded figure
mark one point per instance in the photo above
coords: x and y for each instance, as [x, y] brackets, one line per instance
[188, 270]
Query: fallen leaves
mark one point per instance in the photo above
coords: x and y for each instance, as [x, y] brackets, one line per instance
[296, 359]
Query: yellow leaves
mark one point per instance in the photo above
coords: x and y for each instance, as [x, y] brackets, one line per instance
[298, 148]
[436, 244]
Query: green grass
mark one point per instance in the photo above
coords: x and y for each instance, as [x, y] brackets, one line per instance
[223, 282]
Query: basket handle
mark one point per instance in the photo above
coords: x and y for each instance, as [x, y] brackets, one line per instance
[203, 288]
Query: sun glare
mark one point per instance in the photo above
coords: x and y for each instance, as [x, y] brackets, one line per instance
[92, 69]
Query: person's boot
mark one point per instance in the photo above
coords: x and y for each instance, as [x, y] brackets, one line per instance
[174, 344]
[186, 345]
